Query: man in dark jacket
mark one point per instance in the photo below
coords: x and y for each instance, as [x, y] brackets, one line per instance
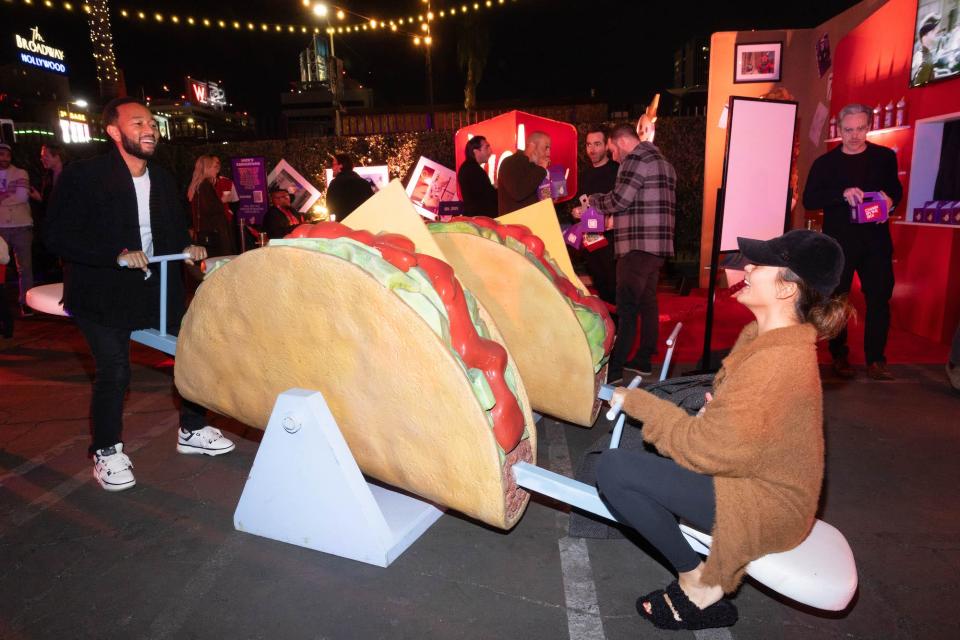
[837, 182]
[280, 218]
[478, 193]
[347, 190]
[112, 207]
[520, 175]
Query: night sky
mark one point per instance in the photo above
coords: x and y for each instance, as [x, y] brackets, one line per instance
[538, 49]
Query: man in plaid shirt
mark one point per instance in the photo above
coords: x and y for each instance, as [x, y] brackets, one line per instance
[642, 205]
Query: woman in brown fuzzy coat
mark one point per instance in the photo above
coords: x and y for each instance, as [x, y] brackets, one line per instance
[750, 465]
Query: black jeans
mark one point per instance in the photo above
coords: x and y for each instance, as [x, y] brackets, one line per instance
[637, 276]
[111, 354]
[648, 493]
[602, 267]
[872, 259]
[6, 316]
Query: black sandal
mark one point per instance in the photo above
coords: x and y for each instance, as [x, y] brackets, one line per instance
[684, 614]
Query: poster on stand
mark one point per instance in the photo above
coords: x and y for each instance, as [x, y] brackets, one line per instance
[303, 195]
[431, 184]
[250, 182]
[377, 175]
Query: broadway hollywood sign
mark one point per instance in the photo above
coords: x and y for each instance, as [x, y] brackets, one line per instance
[37, 53]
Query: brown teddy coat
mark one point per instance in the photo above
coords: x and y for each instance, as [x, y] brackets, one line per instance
[761, 438]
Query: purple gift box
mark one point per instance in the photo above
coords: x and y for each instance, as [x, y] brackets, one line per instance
[927, 212]
[592, 221]
[558, 181]
[573, 235]
[949, 213]
[872, 209]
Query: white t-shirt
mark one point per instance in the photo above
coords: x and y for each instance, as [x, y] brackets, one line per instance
[142, 186]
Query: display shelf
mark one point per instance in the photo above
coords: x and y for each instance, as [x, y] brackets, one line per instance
[926, 224]
[875, 132]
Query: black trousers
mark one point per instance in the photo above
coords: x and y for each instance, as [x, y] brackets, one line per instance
[649, 493]
[871, 257]
[602, 267]
[637, 275]
[111, 354]
[6, 316]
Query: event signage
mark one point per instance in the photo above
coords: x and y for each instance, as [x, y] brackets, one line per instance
[250, 181]
[209, 94]
[34, 51]
[73, 126]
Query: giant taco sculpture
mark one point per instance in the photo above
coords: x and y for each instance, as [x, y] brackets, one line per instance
[411, 366]
[560, 336]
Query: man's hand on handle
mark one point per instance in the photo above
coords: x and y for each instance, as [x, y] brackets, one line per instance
[196, 254]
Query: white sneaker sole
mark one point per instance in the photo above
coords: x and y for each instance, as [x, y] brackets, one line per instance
[113, 487]
[193, 451]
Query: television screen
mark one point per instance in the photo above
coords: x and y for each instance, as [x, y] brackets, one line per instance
[936, 42]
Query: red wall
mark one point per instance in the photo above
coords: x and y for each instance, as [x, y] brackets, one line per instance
[872, 66]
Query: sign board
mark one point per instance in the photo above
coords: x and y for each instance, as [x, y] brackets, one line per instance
[430, 184]
[377, 175]
[74, 127]
[208, 94]
[250, 181]
[303, 195]
[35, 52]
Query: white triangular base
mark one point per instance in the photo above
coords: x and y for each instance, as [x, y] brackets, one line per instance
[305, 488]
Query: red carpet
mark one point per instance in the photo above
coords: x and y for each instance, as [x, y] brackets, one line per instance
[729, 317]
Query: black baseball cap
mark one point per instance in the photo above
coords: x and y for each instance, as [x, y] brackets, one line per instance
[815, 257]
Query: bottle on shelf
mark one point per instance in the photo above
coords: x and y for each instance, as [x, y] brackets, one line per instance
[876, 118]
[833, 126]
[888, 115]
[901, 117]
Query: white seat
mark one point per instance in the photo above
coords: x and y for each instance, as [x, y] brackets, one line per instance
[46, 299]
[819, 572]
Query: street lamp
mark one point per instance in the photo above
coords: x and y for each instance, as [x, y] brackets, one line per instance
[320, 10]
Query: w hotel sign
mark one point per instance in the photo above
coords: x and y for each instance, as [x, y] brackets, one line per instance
[35, 52]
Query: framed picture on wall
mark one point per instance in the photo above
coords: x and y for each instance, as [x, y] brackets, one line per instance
[758, 62]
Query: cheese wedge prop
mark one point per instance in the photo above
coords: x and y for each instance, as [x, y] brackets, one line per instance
[422, 388]
[560, 337]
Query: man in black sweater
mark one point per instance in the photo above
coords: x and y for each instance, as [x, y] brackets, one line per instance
[599, 177]
[347, 190]
[837, 182]
[478, 193]
[521, 174]
[122, 205]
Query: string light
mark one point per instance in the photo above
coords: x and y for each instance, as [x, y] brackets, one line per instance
[353, 22]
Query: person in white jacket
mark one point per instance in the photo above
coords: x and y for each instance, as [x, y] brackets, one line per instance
[16, 221]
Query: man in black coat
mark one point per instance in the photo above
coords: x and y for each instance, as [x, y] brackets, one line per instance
[347, 190]
[478, 193]
[280, 218]
[837, 182]
[112, 207]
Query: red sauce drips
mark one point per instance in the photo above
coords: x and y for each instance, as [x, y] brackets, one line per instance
[534, 245]
[478, 353]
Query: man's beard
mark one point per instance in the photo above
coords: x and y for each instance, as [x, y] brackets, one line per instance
[134, 148]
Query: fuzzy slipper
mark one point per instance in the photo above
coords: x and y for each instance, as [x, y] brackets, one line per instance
[684, 614]
[660, 615]
[720, 614]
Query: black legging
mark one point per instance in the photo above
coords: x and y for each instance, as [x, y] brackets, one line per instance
[648, 493]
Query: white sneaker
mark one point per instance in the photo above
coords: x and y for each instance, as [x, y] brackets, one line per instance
[207, 441]
[112, 468]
